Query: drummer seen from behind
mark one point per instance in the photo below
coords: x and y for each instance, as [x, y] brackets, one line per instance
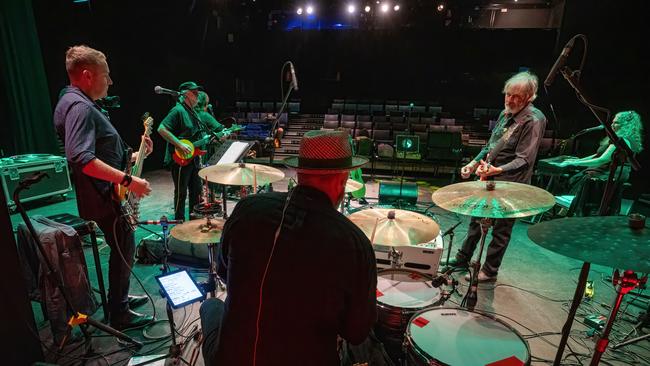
[509, 156]
[298, 273]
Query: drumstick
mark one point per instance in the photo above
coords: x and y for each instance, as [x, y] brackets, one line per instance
[374, 230]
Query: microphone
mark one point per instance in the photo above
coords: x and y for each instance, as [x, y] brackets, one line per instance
[160, 90]
[294, 81]
[559, 63]
[595, 128]
[210, 110]
[451, 229]
[158, 222]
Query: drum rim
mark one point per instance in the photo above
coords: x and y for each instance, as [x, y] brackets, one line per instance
[400, 309]
[408, 340]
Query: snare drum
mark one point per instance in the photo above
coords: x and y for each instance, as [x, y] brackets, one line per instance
[448, 336]
[400, 294]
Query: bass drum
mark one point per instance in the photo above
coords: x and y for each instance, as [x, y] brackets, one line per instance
[456, 337]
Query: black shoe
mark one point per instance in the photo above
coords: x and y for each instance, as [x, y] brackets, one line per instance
[136, 301]
[130, 319]
[482, 277]
[455, 262]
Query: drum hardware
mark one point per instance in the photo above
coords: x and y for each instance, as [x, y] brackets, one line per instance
[590, 239]
[204, 231]
[489, 200]
[240, 174]
[395, 257]
[450, 232]
[393, 231]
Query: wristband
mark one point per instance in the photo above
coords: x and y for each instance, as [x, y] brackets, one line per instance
[126, 180]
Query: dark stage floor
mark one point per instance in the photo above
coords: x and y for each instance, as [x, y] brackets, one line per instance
[532, 294]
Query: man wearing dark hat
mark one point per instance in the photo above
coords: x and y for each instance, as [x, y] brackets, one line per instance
[182, 122]
[298, 272]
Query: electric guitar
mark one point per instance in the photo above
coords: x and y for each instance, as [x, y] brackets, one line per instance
[129, 202]
[184, 159]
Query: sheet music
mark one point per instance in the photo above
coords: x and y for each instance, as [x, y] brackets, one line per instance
[234, 152]
[180, 288]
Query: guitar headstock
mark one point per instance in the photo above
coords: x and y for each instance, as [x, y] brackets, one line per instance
[147, 121]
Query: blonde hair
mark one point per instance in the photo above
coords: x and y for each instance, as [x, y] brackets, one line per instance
[80, 57]
[631, 129]
[525, 81]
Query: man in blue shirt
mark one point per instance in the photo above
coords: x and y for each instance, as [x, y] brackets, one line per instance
[96, 153]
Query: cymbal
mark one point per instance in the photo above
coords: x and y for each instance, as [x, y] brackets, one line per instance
[604, 240]
[240, 174]
[507, 200]
[395, 227]
[198, 231]
[352, 186]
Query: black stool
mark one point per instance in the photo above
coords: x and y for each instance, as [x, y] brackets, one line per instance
[84, 227]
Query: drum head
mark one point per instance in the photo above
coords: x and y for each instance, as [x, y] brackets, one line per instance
[403, 288]
[460, 337]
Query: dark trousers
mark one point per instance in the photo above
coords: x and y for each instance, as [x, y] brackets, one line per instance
[120, 239]
[211, 313]
[501, 232]
[186, 178]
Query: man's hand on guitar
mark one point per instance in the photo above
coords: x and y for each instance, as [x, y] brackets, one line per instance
[148, 148]
[468, 169]
[140, 187]
[185, 149]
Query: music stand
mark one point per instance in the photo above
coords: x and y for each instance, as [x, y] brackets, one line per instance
[235, 152]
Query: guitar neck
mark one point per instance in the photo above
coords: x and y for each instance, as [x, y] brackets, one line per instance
[137, 166]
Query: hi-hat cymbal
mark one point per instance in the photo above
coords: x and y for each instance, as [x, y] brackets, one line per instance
[604, 240]
[395, 227]
[202, 231]
[240, 174]
[506, 200]
[352, 186]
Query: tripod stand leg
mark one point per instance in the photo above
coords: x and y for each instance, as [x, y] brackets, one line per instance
[577, 296]
[113, 331]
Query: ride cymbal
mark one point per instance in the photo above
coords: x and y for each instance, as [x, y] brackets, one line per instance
[505, 200]
[241, 174]
[395, 227]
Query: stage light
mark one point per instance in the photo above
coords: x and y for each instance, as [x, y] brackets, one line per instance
[396, 7]
[441, 7]
[310, 9]
[351, 8]
[367, 8]
[299, 11]
[384, 7]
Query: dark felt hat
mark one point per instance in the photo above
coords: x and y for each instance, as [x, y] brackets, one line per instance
[189, 85]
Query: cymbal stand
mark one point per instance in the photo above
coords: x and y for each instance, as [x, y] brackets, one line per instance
[472, 298]
[623, 285]
[395, 257]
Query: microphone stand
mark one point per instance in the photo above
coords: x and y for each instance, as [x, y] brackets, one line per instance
[622, 153]
[54, 276]
[274, 124]
[450, 232]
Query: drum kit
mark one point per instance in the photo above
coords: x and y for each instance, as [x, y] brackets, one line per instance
[410, 304]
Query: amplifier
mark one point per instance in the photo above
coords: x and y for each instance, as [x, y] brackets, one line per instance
[423, 258]
[18, 167]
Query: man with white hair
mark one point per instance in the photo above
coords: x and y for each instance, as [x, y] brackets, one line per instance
[509, 156]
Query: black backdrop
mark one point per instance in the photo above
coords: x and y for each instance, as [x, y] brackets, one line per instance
[152, 43]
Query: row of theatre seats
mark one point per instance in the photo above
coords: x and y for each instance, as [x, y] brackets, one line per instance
[384, 127]
[435, 142]
[243, 106]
